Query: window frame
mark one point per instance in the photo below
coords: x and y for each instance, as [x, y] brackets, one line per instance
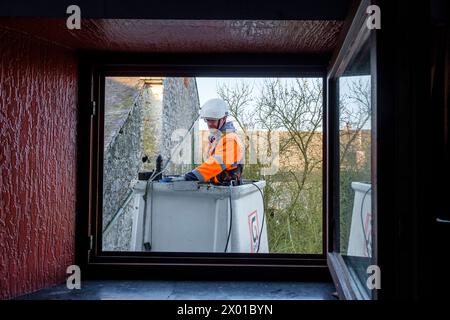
[356, 37]
[94, 68]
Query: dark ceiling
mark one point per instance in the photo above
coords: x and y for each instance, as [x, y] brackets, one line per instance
[246, 26]
[197, 36]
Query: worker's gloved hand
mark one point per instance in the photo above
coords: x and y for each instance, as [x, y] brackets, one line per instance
[190, 177]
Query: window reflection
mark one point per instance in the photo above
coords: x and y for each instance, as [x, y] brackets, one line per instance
[355, 189]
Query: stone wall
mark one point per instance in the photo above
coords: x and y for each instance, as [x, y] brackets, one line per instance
[143, 118]
[122, 152]
[152, 122]
[180, 108]
[117, 236]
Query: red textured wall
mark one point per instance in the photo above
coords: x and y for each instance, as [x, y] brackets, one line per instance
[38, 94]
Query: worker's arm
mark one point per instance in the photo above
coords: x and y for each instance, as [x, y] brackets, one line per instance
[228, 152]
[190, 177]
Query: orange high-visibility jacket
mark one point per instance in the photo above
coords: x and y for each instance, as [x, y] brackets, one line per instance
[225, 153]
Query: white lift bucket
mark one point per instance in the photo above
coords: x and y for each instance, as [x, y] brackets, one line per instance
[187, 216]
[360, 240]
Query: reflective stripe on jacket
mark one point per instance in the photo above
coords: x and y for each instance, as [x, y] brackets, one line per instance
[224, 154]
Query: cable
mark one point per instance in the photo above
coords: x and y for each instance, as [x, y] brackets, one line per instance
[145, 216]
[366, 241]
[231, 221]
[262, 224]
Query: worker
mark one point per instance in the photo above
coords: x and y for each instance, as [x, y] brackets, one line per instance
[223, 166]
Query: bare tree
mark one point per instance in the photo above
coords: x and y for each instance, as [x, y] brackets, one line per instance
[239, 98]
[354, 113]
[296, 108]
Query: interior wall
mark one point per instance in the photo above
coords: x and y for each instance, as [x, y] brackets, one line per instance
[38, 121]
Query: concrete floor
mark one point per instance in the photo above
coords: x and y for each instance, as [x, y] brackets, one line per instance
[187, 290]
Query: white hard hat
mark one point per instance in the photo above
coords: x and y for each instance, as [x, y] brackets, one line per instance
[214, 109]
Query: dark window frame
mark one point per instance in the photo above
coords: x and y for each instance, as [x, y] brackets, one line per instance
[356, 37]
[98, 264]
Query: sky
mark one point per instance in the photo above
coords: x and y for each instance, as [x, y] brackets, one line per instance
[207, 88]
